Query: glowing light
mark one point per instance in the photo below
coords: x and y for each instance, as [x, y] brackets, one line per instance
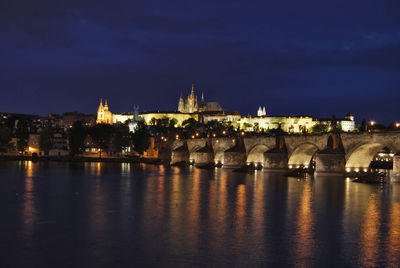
[192, 136]
[224, 132]
[290, 166]
[242, 133]
[197, 134]
[365, 169]
[357, 170]
[31, 149]
[177, 137]
[214, 135]
[397, 124]
[348, 169]
[372, 123]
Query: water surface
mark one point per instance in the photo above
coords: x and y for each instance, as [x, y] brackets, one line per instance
[121, 215]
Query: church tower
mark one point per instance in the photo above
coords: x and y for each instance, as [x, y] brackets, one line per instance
[100, 112]
[104, 115]
[259, 112]
[181, 105]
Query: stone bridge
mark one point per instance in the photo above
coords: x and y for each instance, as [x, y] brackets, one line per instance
[328, 152]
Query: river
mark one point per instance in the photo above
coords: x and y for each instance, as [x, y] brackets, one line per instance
[59, 214]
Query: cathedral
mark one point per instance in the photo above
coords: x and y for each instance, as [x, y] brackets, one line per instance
[189, 105]
[261, 112]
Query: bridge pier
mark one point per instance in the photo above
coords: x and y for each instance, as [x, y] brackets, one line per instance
[180, 155]
[204, 156]
[275, 161]
[234, 159]
[331, 163]
[396, 165]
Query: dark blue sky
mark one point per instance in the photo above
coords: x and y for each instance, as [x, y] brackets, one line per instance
[295, 57]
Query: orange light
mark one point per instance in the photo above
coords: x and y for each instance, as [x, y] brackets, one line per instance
[372, 123]
[224, 132]
[242, 133]
[31, 149]
[397, 124]
[214, 135]
[192, 136]
[177, 137]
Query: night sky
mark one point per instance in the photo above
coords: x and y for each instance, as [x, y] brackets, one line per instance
[295, 57]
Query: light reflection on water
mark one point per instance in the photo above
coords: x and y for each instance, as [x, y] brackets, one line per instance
[123, 214]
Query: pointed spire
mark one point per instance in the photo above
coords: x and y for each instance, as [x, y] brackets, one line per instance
[202, 96]
[101, 103]
[192, 93]
[105, 103]
[264, 111]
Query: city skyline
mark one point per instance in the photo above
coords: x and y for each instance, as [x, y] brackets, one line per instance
[306, 58]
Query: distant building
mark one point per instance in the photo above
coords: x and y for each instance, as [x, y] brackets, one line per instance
[346, 124]
[191, 105]
[105, 116]
[261, 112]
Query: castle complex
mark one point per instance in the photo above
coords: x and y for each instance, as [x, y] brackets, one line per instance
[208, 111]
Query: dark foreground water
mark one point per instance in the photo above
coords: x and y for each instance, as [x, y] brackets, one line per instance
[119, 215]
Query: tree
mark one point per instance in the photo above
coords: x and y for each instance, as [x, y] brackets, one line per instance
[319, 128]
[122, 139]
[101, 135]
[172, 123]
[190, 124]
[141, 138]
[22, 135]
[46, 139]
[77, 136]
[5, 139]
[364, 126]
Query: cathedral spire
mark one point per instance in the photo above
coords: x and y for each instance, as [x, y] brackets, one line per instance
[192, 93]
[202, 96]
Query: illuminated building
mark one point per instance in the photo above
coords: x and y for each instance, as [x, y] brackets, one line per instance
[261, 112]
[105, 116]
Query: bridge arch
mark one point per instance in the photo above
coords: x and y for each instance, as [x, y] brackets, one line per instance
[360, 156]
[302, 155]
[256, 154]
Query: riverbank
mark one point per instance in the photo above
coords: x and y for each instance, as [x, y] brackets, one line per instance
[81, 159]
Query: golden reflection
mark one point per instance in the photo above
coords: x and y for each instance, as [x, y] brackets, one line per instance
[369, 240]
[193, 208]
[221, 218]
[176, 205]
[29, 169]
[240, 211]
[161, 195]
[258, 206]
[99, 215]
[29, 211]
[304, 239]
[94, 168]
[393, 240]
